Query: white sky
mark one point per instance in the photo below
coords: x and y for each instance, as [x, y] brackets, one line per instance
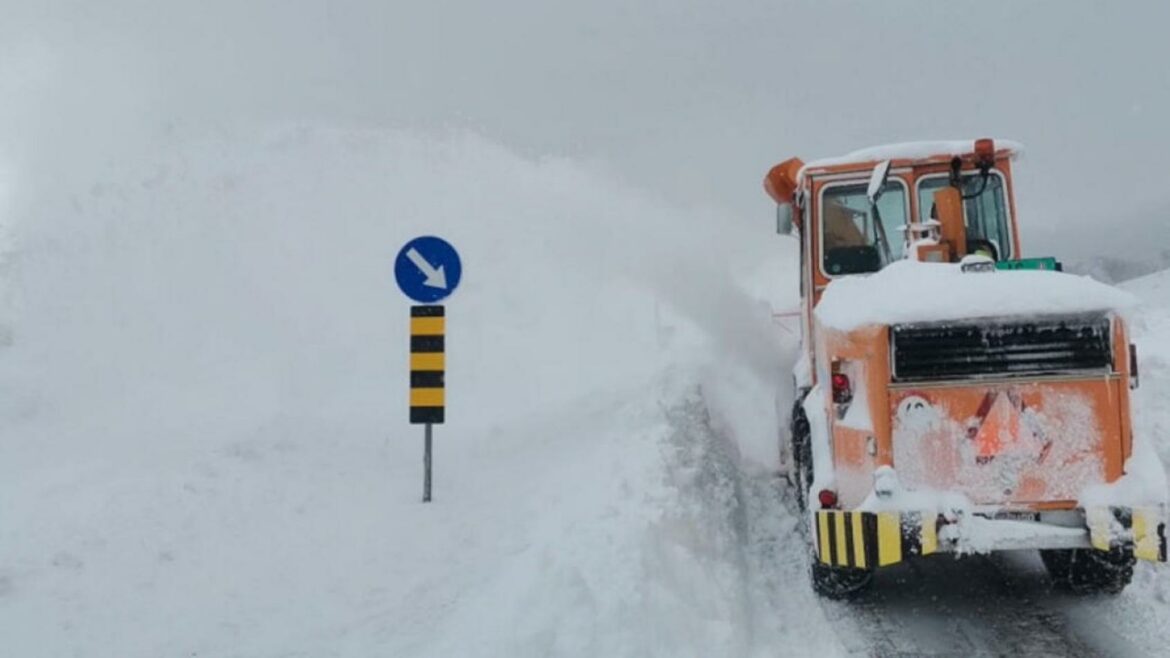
[692, 98]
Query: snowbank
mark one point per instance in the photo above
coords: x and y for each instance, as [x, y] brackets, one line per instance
[203, 409]
[1154, 288]
[1150, 331]
[911, 291]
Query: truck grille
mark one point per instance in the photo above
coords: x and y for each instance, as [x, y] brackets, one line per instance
[1045, 345]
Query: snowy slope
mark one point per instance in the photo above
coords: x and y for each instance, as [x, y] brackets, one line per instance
[205, 449]
[1151, 329]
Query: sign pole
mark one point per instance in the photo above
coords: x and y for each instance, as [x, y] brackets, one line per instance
[427, 465]
[427, 378]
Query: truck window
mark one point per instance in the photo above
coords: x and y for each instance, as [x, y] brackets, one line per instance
[985, 214]
[849, 234]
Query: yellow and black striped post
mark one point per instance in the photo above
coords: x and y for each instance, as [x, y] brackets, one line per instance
[427, 364]
[427, 373]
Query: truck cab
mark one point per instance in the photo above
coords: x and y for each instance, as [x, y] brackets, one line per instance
[953, 395]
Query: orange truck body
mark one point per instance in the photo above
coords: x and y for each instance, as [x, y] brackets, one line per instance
[982, 421]
[1017, 446]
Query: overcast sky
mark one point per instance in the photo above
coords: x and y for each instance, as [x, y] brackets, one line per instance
[693, 99]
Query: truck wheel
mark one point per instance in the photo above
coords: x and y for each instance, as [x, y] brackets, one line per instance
[1089, 571]
[1058, 563]
[839, 582]
[802, 469]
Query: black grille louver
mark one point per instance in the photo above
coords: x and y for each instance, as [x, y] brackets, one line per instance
[1044, 345]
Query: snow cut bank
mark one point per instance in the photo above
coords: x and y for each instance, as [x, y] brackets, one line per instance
[205, 448]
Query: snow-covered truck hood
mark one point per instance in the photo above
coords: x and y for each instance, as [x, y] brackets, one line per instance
[912, 291]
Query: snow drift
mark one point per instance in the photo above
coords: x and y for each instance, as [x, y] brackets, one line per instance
[203, 410]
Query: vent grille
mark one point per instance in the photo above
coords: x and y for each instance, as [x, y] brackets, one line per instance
[1046, 345]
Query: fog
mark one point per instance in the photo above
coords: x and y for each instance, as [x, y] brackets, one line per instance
[692, 100]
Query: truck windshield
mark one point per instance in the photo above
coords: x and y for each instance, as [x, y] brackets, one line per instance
[850, 235]
[985, 214]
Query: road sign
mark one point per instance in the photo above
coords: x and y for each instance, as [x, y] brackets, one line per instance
[427, 269]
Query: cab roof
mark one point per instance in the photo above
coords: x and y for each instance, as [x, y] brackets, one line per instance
[910, 153]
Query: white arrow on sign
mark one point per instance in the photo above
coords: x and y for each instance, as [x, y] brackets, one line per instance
[435, 276]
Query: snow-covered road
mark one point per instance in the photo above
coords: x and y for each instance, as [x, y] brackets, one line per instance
[988, 606]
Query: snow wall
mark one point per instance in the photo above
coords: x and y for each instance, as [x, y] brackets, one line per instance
[203, 404]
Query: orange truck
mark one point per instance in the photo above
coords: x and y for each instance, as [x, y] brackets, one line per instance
[953, 396]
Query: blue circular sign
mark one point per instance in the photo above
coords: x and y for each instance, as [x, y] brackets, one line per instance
[427, 269]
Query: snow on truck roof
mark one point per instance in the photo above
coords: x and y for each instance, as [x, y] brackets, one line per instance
[911, 291]
[914, 151]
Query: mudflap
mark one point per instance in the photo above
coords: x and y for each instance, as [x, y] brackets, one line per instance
[866, 540]
[1140, 529]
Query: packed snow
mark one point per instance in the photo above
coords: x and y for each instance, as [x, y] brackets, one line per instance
[912, 291]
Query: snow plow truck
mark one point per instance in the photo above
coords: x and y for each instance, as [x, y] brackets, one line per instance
[953, 396]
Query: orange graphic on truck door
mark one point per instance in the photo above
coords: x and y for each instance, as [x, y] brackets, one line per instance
[1000, 425]
[997, 444]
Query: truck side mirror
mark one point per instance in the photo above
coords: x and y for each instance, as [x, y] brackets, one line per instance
[877, 181]
[784, 218]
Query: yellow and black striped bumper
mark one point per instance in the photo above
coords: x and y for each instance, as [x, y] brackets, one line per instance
[1142, 528]
[866, 540]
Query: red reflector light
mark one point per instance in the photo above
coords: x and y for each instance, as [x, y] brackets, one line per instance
[842, 389]
[828, 498]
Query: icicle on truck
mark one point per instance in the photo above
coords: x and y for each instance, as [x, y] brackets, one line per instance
[952, 396]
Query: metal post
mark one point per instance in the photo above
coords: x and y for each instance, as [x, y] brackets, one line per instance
[427, 466]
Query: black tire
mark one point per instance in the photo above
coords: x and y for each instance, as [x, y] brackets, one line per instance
[829, 582]
[839, 582]
[802, 470]
[1089, 571]
[1058, 563]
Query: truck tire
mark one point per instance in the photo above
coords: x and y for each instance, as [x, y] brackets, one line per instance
[802, 468]
[1089, 571]
[838, 582]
